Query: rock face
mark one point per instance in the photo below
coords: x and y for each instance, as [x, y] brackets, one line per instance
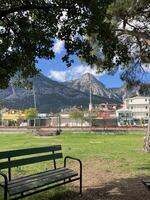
[120, 91]
[50, 96]
[98, 88]
[123, 92]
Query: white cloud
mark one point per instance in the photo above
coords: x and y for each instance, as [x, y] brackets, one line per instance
[60, 76]
[58, 46]
[72, 73]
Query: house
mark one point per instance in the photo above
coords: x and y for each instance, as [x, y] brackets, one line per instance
[139, 106]
[12, 117]
[135, 111]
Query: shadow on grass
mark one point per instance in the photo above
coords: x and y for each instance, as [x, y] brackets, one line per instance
[121, 189]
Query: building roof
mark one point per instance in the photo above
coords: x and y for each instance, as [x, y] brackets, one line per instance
[123, 110]
[138, 97]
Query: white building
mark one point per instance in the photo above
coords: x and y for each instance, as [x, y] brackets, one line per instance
[135, 111]
[139, 106]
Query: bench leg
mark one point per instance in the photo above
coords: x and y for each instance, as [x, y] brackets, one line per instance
[5, 193]
[80, 186]
[80, 178]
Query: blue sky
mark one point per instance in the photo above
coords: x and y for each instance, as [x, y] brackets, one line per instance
[57, 70]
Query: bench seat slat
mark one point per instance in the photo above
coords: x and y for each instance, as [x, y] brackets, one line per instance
[39, 178]
[40, 181]
[34, 176]
[22, 152]
[32, 160]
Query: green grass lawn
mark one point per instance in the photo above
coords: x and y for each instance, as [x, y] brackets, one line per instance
[123, 152]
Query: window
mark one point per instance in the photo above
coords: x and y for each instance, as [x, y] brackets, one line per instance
[145, 99]
[146, 114]
[131, 107]
[145, 107]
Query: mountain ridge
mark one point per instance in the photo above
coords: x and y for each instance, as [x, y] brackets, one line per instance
[50, 96]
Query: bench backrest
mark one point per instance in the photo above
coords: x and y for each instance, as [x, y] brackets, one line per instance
[7, 160]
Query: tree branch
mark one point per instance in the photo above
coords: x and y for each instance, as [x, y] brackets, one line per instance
[135, 33]
[26, 7]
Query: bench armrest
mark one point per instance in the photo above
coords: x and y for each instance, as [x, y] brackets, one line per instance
[76, 159]
[5, 186]
[5, 179]
[80, 164]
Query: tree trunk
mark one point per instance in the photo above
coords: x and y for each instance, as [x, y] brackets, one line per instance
[147, 135]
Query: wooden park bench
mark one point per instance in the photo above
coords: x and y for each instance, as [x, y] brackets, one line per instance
[16, 188]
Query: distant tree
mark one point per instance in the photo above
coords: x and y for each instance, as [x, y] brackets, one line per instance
[77, 116]
[31, 113]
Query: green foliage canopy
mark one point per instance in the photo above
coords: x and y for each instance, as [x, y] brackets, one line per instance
[77, 115]
[103, 33]
[31, 113]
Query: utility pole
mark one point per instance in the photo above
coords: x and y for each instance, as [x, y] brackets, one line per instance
[34, 96]
[59, 124]
[90, 104]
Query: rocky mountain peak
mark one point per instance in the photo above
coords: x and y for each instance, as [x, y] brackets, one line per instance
[88, 77]
[98, 88]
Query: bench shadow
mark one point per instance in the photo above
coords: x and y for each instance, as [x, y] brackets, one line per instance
[120, 189]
